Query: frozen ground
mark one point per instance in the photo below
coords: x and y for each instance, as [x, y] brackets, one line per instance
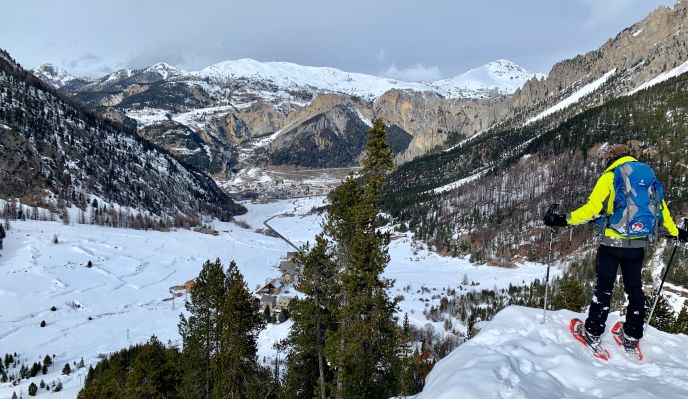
[120, 301]
[515, 356]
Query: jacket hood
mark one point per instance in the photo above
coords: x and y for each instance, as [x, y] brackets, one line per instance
[619, 162]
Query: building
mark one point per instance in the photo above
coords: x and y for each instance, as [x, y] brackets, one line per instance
[268, 300]
[270, 288]
[283, 302]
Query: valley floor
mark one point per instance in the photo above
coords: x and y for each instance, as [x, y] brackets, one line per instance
[124, 298]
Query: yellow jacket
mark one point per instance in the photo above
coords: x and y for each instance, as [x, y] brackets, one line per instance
[604, 189]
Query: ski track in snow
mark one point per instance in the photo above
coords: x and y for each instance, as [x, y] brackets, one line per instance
[516, 357]
[133, 270]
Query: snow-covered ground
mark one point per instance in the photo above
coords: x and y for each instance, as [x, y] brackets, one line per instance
[121, 300]
[573, 98]
[681, 69]
[516, 357]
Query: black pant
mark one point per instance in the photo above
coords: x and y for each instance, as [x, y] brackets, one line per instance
[608, 260]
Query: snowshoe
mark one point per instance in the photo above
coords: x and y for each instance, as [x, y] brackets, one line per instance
[630, 345]
[577, 329]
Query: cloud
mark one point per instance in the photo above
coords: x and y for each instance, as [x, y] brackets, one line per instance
[83, 61]
[414, 73]
[170, 53]
[88, 64]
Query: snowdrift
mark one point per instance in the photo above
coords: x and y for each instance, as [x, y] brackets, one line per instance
[515, 356]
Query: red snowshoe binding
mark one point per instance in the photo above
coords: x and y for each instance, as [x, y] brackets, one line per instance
[577, 329]
[630, 345]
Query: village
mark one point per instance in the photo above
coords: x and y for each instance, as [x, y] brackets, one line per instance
[272, 300]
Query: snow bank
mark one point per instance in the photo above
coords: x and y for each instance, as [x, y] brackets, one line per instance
[573, 98]
[515, 356]
[661, 78]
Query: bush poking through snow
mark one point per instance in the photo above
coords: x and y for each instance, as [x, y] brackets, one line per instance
[55, 240]
[66, 370]
[89, 264]
[42, 323]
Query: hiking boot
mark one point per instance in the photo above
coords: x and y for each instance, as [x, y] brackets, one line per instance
[629, 343]
[592, 340]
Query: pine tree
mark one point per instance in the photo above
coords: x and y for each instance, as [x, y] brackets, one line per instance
[363, 349]
[201, 331]
[570, 295]
[664, 318]
[681, 325]
[33, 389]
[235, 369]
[152, 374]
[308, 372]
[406, 361]
[67, 369]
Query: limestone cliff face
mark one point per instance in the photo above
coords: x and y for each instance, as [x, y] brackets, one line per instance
[639, 53]
[430, 118]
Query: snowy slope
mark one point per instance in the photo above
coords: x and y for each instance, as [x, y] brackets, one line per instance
[573, 98]
[683, 68]
[514, 356]
[124, 294]
[163, 69]
[501, 76]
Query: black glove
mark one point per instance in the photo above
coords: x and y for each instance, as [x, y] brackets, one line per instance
[555, 220]
[682, 235]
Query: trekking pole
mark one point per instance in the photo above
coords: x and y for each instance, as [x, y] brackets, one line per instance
[552, 209]
[666, 272]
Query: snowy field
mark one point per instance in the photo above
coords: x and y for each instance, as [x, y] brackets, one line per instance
[124, 298]
[517, 357]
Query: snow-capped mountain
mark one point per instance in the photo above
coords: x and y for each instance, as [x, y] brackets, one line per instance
[500, 76]
[53, 75]
[164, 70]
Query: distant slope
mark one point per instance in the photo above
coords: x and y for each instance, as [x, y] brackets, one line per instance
[52, 147]
[514, 356]
[496, 186]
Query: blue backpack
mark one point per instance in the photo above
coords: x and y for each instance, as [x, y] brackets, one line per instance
[638, 201]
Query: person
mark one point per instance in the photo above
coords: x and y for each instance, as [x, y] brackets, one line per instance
[623, 241]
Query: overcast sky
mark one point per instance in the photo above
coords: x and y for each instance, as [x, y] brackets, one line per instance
[404, 39]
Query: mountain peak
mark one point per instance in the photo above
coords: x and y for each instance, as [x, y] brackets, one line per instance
[53, 75]
[501, 75]
[164, 69]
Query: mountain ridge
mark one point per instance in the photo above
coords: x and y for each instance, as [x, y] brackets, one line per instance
[62, 151]
[501, 75]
